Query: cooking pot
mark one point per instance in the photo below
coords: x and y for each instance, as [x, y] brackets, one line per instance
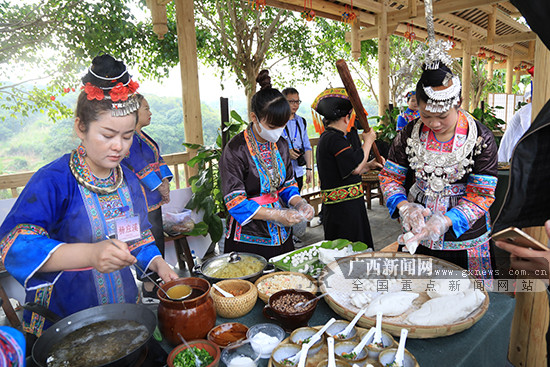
[108, 312]
[218, 262]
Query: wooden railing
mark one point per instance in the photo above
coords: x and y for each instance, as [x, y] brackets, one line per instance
[14, 183]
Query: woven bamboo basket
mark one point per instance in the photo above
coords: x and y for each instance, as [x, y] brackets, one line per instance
[393, 325]
[308, 280]
[232, 307]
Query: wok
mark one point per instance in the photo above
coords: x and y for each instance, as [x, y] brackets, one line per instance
[221, 260]
[62, 327]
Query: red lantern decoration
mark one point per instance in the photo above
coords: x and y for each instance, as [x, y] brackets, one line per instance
[308, 14]
[258, 4]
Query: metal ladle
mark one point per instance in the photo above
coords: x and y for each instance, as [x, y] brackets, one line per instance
[151, 279]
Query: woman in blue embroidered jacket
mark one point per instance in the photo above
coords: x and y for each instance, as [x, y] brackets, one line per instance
[454, 159]
[53, 241]
[410, 114]
[154, 175]
[258, 181]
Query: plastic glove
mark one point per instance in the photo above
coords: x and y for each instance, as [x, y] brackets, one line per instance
[284, 217]
[412, 216]
[305, 209]
[435, 227]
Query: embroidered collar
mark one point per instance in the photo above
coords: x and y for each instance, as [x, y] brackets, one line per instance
[440, 167]
[83, 175]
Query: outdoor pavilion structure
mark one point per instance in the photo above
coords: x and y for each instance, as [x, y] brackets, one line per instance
[475, 26]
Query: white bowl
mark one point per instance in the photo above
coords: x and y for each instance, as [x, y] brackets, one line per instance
[265, 345]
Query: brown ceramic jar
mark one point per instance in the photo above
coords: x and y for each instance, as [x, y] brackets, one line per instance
[192, 318]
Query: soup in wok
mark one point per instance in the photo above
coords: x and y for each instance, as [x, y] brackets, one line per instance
[98, 344]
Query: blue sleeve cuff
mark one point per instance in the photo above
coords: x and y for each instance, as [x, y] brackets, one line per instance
[288, 193]
[460, 223]
[391, 204]
[401, 122]
[165, 172]
[151, 181]
[244, 211]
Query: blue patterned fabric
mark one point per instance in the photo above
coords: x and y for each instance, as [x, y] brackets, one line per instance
[145, 161]
[54, 209]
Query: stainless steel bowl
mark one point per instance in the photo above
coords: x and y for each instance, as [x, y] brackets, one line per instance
[233, 257]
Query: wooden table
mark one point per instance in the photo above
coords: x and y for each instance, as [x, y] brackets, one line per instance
[182, 250]
[6, 304]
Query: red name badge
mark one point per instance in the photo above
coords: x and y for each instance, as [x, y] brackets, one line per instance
[128, 229]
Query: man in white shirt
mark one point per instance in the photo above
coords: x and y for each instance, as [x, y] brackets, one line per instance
[515, 129]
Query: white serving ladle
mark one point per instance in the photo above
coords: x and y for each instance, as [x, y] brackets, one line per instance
[348, 328]
[219, 289]
[378, 333]
[400, 354]
[331, 358]
[363, 342]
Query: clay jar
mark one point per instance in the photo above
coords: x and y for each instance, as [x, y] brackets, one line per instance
[192, 318]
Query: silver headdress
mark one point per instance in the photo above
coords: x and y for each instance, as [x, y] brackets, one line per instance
[120, 89]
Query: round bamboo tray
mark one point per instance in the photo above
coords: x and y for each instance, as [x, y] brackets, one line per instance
[310, 280]
[393, 325]
[232, 307]
[313, 361]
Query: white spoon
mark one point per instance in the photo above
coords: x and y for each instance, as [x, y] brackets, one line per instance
[400, 354]
[219, 289]
[363, 342]
[378, 334]
[348, 328]
[318, 334]
[331, 358]
[303, 355]
[312, 341]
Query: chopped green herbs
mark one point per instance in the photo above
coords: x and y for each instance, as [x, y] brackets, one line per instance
[186, 358]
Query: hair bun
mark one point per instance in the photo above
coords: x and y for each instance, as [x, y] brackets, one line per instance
[264, 79]
[106, 72]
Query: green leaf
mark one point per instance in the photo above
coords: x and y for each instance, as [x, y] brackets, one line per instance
[200, 229]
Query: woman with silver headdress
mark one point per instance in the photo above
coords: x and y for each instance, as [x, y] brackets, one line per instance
[55, 239]
[454, 160]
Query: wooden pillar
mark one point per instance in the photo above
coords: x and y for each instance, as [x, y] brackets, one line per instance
[509, 72]
[355, 40]
[531, 52]
[466, 68]
[383, 59]
[187, 49]
[158, 15]
[541, 82]
[491, 26]
[531, 316]
[413, 8]
[518, 76]
[490, 65]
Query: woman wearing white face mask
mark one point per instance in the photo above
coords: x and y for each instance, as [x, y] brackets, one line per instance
[258, 183]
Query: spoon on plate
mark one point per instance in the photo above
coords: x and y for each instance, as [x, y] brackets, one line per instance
[153, 281]
[303, 355]
[305, 304]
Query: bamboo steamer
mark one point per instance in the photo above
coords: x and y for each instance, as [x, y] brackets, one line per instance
[307, 280]
[393, 325]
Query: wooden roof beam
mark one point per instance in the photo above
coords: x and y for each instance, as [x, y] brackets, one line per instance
[322, 7]
[462, 22]
[441, 7]
[509, 38]
[505, 18]
[368, 5]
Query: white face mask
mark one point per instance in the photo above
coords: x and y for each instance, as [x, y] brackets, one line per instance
[268, 134]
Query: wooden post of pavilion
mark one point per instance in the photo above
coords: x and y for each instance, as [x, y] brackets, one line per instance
[383, 59]
[466, 68]
[531, 316]
[509, 72]
[187, 47]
